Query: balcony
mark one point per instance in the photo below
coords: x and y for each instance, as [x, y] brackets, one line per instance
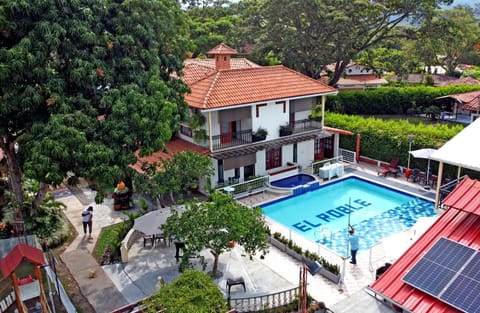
[247, 136]
[300, 126]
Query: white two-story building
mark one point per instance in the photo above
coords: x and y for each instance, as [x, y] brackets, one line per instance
[235, 102]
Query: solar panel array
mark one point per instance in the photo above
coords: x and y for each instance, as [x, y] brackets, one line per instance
[450, 272]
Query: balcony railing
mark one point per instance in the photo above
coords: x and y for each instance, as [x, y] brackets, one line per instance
[227, 140]
[260, 303]
[232, 139]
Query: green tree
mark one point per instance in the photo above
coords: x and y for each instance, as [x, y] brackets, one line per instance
[86, 83]
[213, 224]
[175, 175]
[309, 34]
[193, 291]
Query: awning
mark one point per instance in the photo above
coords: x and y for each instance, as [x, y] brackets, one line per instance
[463, 149]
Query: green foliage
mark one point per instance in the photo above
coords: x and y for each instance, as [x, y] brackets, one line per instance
[193, 291]
[48, 223]
[391, 100]
[179, 174]
[333, 268]
[213, 224]
[109, 239]
[87, 83]
[383, 139]
[295, 29]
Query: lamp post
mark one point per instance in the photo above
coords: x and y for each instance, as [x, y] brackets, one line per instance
[410, 140]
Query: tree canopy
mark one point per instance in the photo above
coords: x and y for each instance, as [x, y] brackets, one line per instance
[214, 224]
[309, 34]
[86, 83]
[193, 291]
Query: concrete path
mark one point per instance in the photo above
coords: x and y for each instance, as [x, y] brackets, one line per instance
[116, 285]
[94, 283]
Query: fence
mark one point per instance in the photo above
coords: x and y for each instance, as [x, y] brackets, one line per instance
[248, 187]
[317, 165]
[348, 156]
[260, 303]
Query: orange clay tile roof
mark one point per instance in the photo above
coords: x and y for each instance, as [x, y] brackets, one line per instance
[222, 49]
[242, 86]
[172, 147]
[196, 69]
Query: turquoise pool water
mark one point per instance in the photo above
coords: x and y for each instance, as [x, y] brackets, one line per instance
[374, 210]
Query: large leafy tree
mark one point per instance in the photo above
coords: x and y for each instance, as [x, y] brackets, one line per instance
[309, 34]
[447, 37]
[214, 224]
[173, 176]
[193, 291]
[86, 83]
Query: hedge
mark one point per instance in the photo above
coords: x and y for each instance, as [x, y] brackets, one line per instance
[392, 100]
[384, 139]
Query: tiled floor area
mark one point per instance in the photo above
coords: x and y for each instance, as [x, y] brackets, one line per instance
[275, 272]
[357, 277]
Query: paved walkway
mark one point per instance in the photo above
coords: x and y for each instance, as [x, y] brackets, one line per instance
[93, 281]
[116, 285]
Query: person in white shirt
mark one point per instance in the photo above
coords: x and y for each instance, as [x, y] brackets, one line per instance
[87, 216]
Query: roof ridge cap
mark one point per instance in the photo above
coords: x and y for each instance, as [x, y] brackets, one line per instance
[210, 89]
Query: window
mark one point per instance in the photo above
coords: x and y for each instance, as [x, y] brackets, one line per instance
[220, 171]
[273, 158]
[249, 171]
[295, 153]
[186, 130]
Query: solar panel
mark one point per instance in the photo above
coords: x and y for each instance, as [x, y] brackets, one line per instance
[429, 277]
[450, 272]
[449, 254]
[463, 293]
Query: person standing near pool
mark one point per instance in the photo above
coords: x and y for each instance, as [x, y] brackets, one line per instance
[354, 240]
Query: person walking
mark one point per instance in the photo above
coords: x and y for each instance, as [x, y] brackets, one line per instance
[354, 242]
[87, 217]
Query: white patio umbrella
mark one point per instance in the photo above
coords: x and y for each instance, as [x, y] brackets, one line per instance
[424, 154]
[149, 224]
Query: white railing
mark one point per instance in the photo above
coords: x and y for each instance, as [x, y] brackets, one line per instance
[318, 164]
[348, 155]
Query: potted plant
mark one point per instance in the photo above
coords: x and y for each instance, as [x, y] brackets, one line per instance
[286, 130]
[259, 135]
[121, 197]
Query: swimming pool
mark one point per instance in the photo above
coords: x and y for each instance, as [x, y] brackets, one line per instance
[375, 211]
[293, 181]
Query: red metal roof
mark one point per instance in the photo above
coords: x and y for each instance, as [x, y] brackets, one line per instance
[10, 262]
[460, 223]
[466, 197]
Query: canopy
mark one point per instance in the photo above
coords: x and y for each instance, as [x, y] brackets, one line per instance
[423, 153]
[463, 149]
[149, 224]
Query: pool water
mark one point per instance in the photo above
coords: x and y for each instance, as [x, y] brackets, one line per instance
[374, 210]
[293, 181]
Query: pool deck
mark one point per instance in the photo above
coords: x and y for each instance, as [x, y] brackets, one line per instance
[275, 272]
[352, 290]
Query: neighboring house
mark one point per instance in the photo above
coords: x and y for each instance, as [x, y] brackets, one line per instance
[465, 106]
[440, 271]
[239, 101]
[438, 80]
[358, 77]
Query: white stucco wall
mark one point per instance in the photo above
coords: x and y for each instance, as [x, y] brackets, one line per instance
[260, 165]
[271, 117]
[305, 152]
